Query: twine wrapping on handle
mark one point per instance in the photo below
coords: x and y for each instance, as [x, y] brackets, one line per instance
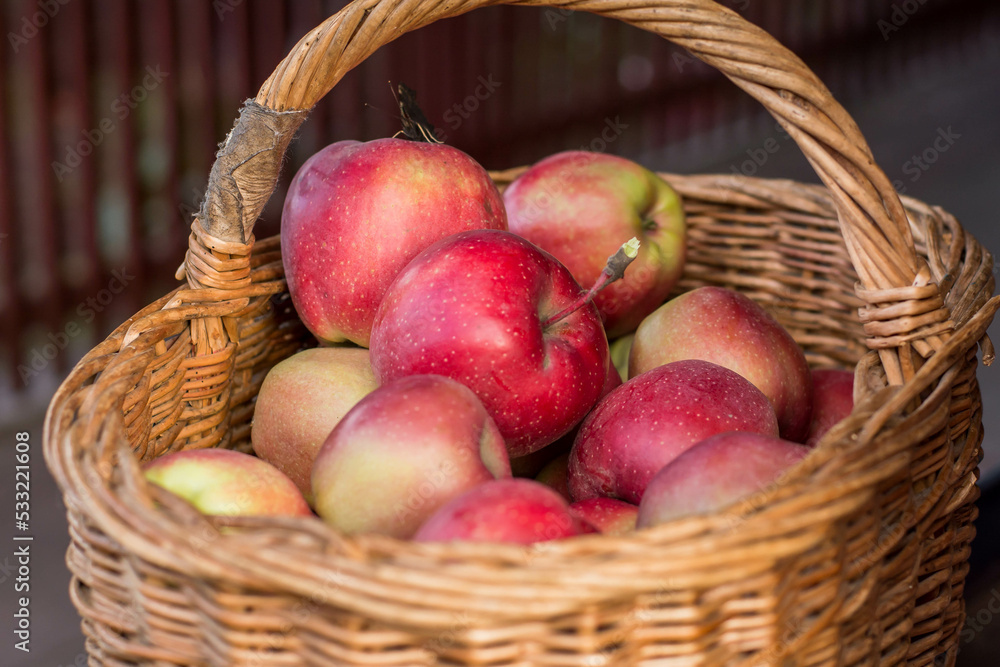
[243, 178]
[246, 170]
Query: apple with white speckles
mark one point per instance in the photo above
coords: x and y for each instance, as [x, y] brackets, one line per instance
[356, 213]
[728, 328]
[581, 205]
[715, 473]
[479, 307]
[402, 452]
[532, 464]
[647, 422]
[300, 401]
[520, 511]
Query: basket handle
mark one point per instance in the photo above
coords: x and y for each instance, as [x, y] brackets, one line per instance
[904, 309]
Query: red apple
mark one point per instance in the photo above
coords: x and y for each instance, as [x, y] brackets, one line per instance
[715, 473]
[357, 213]
[507, 510]
[647, 422]
[833, 400]
[607, 515]
[475, 307]
[300, 401]
[581, 206]
[727, 328]
[613, 380]
[223, 482]
[530, 465]
[402, 452]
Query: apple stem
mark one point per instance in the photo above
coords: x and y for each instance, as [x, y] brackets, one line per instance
[614, 270]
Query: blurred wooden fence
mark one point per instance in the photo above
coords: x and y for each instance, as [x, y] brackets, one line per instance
[111, 110]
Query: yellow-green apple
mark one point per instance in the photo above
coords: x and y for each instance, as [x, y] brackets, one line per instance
[728, 328]
[555, 474]
[833, 400]
[223, 482]
[715, 473]
[403, 451]
[531, 464]
[488, 309]
[300, 401]
[581, 206]
[608, 515]
[620, 349]
[521, 511]
[356, 213]
[647, 422]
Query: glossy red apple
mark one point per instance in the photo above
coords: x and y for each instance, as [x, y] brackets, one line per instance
[715, 473]
[300, 401]
[476, 307]
[608, 515]
[507, 510]
[727, 328]
[613, 379]
[356, 213]
[530, 465]
[650, 420]
[833, 401]
[224, 482]
[402, 452]
[581, 206]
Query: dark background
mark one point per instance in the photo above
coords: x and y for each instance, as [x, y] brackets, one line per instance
[110, 113]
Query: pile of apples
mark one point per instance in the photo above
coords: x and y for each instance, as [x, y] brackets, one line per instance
[464, 387]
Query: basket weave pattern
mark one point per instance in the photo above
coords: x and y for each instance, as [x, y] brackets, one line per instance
[857, 558]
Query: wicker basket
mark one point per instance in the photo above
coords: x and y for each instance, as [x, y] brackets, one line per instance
[859, 557]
